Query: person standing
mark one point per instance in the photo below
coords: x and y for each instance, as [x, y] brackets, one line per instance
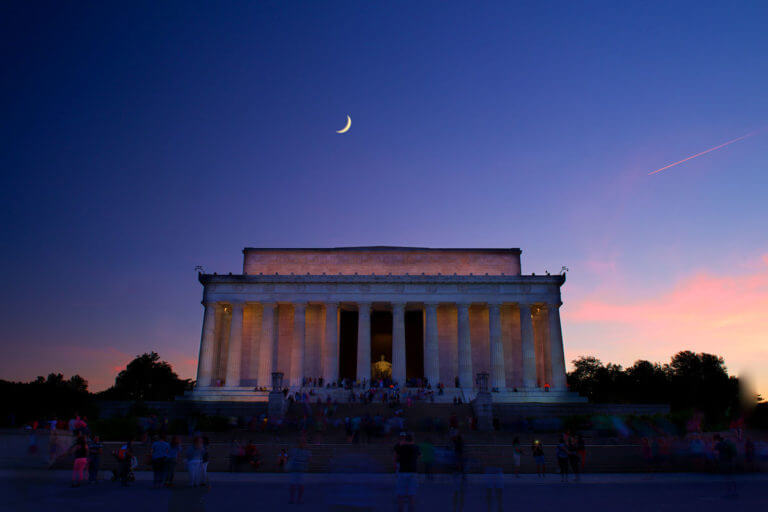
[94, 459]
[195, 462]
[206, 457]
[537, 450]
[581, 447]
[53, 448]
[80, 452]
[173, 457]
[159, 450]
[124, 456]
[406, 457]
[427, 450]
[282, 459]
[562, 459]
[458, 450]
[573, 457]
[517, 454]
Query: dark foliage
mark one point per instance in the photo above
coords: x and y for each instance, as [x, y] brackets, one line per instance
[689, 382]
[45, 398]
[147, 378]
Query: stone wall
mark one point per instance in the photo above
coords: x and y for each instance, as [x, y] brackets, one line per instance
[382, 261]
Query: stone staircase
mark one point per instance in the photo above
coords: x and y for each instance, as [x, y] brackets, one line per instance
[377, 457]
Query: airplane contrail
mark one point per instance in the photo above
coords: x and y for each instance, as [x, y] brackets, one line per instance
[704, 152]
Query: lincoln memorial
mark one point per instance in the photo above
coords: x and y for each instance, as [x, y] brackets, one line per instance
[414, 315]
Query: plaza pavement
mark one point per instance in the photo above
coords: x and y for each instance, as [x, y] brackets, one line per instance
[39, 490]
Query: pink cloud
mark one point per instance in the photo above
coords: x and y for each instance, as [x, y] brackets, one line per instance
[723, 314]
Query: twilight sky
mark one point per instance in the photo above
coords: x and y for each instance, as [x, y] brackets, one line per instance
[142, 139]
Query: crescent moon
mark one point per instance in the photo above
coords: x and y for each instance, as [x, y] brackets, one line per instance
[346, 128]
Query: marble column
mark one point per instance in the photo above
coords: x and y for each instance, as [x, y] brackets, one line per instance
[465, 347]
[398, 343]
[364, 341]
[331, 350]
[267, 345]
[431, 352]
[235, 346]
[528, 347]
[556, 347]
[297, 347]
[498, 379]
[207, 346]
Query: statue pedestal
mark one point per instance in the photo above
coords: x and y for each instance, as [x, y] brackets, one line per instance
[482, 406]
[277, 403]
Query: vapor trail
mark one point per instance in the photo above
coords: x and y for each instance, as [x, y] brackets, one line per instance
[704, 152]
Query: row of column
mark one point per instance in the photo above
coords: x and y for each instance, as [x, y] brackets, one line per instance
[330, 351]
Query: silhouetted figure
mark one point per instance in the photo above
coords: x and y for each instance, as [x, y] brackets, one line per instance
[562, 459]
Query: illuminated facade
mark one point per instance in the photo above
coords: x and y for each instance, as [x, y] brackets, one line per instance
[436, 315]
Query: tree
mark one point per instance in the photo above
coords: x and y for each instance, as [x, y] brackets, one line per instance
[147, 378]
[600, 383]
[701, 381]
[647, 382]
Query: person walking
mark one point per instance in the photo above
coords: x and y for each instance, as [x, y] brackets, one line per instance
[406, 457]
[80, 451]
[298, 462]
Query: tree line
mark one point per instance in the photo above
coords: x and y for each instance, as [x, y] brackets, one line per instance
[690, 381]
[146, 378]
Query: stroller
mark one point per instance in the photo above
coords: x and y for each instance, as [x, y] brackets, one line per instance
[134, 463]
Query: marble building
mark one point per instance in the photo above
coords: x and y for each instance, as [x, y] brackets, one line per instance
[440, 315]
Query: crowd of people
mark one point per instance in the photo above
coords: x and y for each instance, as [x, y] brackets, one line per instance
[164, 453]
[721, 452]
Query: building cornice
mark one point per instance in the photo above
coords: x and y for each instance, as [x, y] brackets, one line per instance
[205, 279]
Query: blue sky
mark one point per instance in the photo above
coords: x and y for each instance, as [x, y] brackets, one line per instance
[142, 139]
